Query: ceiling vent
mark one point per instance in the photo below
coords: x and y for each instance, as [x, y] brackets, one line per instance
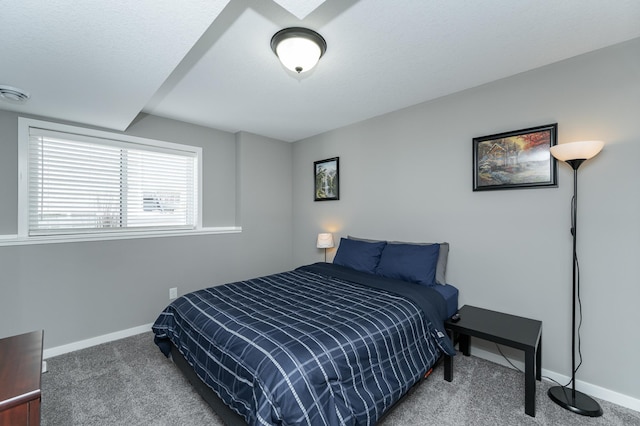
[13, 94]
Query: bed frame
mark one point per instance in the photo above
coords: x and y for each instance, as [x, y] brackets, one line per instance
[230, 417]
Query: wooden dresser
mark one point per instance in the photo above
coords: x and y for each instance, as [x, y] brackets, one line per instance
[20, 372]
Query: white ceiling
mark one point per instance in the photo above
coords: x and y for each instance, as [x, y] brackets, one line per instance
[209, 62]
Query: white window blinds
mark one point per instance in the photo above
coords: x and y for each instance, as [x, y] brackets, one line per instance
[80, 184]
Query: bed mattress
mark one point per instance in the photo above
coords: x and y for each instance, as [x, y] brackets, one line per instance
[450, 295]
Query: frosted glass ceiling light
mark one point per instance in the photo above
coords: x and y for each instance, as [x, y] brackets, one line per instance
[299, 49]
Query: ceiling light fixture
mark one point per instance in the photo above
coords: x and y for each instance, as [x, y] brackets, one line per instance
[299, 49]
[13, 94]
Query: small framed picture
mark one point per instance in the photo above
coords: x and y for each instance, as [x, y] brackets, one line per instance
[516, 159]
[326, 177]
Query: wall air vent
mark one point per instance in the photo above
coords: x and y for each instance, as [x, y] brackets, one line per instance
[13, 94]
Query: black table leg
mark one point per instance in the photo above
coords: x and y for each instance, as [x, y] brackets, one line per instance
[448, 362]
[539, 359]
[464, 341]
[448, 368]
[530, 359]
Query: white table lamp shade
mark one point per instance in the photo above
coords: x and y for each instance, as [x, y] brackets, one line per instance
[325, 240]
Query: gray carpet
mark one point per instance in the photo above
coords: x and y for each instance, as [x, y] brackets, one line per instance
[129, 382]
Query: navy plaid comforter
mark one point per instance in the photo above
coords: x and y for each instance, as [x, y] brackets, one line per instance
[319, 345]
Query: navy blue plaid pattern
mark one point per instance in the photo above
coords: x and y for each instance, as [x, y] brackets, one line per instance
[302, 348]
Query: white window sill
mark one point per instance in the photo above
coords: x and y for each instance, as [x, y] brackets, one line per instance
[15, 240]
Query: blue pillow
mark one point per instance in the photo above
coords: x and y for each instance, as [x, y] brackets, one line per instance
[441, 267]
[359, 255]
[410, 262]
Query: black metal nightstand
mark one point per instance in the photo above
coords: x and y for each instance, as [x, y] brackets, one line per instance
[509, 330]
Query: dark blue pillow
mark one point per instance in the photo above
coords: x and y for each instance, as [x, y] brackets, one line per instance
[359, 255]
[410, 262]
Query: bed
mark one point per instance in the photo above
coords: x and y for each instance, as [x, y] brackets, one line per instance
[324, 344]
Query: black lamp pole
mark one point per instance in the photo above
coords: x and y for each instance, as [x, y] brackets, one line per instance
[571, 399]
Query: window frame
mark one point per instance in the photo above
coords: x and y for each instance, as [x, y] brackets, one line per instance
[24, 125]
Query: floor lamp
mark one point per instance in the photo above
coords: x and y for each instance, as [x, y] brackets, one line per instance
[325, 241]
[574, 154]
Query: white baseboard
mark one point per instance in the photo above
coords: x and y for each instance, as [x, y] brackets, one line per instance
[588, 388]
[82, 344]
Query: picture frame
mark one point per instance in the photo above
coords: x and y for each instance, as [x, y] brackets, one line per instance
[326, 179]
[515, 159]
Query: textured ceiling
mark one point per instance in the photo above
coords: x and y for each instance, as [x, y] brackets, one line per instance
[209, 62]
[96, 62]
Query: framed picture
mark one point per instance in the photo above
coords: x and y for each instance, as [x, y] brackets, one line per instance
[326, 178]
[516, 159]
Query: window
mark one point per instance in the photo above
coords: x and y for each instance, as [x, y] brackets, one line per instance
[78, 181]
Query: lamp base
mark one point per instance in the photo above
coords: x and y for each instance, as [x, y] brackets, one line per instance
[575, 401]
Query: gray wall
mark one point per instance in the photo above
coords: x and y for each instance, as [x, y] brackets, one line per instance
[408, 176]
[76, 291]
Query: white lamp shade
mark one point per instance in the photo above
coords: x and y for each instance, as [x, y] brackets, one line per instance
[325, 240]
[582, 150]
[298, 54]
